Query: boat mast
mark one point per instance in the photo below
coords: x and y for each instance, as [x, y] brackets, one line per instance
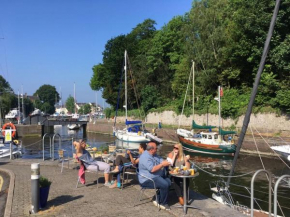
[126, 84]
[23, 111]
[96, 101]
[18, 113]
[74, 97]
[219, 92]
[192, 92]
[255, 89]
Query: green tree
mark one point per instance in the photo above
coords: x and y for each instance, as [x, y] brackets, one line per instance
[47, 95]
[85, 109]
[70, 104]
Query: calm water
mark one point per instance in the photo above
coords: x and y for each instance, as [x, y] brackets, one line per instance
[33, 149]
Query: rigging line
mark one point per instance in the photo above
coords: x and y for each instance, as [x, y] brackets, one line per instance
[222, 176]
[272, 149]
[264, 168]
[135, 89]
[191, 69]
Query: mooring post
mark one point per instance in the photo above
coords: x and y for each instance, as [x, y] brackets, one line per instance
[35, 173]
[11, 150]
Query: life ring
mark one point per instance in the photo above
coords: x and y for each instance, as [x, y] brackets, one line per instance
[11, 126]
[16, 142]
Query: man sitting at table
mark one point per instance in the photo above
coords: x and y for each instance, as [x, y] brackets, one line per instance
[152, 166]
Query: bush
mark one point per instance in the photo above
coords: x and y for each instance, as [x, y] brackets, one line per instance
[44, 182]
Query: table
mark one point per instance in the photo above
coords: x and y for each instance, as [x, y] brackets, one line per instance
[185, 206]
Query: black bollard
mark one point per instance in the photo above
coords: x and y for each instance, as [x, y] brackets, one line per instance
[35, 173]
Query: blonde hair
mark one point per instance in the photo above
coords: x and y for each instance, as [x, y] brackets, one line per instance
[180, 152]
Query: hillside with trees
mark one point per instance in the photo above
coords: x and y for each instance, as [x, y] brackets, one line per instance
[224, 38]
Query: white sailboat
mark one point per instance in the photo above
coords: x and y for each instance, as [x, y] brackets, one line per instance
[133, 134]
[75, 115]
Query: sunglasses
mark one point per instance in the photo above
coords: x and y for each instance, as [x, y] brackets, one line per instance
[175, 148]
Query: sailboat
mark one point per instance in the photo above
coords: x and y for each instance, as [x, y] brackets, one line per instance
[133, 134]
[75, 115]
[205, 142]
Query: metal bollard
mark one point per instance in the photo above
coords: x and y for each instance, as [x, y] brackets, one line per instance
[35, 174]
[10, 150]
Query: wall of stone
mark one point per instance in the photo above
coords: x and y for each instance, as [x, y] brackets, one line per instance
[264, 122]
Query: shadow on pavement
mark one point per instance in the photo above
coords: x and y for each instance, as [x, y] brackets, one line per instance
[61, 200]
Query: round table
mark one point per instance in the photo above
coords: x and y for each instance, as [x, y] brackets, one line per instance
[185, 206]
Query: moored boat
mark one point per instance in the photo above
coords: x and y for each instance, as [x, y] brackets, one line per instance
[206, 142]
[134, 131]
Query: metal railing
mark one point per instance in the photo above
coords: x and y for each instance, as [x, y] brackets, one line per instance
[276, 192]
[252, 191]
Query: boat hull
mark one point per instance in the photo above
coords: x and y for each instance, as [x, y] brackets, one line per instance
[192, 146]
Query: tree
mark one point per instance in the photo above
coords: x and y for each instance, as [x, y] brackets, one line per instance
[4, 85]
[85, 109]
[47, 95]
[70, 104]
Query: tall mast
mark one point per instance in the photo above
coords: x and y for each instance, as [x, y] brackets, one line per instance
[23, 110]
[96, 101]
[74, 97]
[18, 109]
[126, 84]
[192, 93]
[255, 89]
[219, 90]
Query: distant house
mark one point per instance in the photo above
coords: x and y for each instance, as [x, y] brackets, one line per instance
[31, 98]
[61, 110]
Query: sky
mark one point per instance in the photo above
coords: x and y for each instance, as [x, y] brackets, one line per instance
[57, 42]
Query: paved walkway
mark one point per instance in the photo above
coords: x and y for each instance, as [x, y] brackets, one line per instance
[65, 200]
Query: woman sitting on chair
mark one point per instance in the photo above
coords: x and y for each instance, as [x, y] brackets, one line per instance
[90, 163]
[121, 161]
[179, 159]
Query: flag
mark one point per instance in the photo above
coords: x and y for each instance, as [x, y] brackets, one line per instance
[221, 92]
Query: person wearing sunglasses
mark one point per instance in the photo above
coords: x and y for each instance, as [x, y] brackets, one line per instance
[179, 159]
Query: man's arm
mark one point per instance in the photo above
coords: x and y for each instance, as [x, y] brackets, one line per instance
[160, 166]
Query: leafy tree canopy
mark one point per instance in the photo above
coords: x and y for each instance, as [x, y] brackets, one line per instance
[225, 39]
[70, 104]
[48, 96]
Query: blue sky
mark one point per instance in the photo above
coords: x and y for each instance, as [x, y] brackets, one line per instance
[57, 42]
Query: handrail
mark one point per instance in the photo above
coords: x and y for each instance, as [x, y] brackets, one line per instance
[252, 190]
[47, 134]
[59, 144]
[276, 192]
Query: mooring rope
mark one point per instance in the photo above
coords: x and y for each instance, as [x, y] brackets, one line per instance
[222, 176]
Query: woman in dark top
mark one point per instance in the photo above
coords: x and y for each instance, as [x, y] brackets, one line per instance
[121, 161]
[179, 160]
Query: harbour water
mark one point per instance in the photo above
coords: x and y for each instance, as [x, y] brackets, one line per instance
[32, 148]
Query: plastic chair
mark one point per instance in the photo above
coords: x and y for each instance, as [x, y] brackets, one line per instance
[142, 190]
[89, 171]
[62, 159]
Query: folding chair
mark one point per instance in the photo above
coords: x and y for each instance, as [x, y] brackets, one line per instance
[62, 159]
[128, 170]
[89, 171]
[142, 190]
